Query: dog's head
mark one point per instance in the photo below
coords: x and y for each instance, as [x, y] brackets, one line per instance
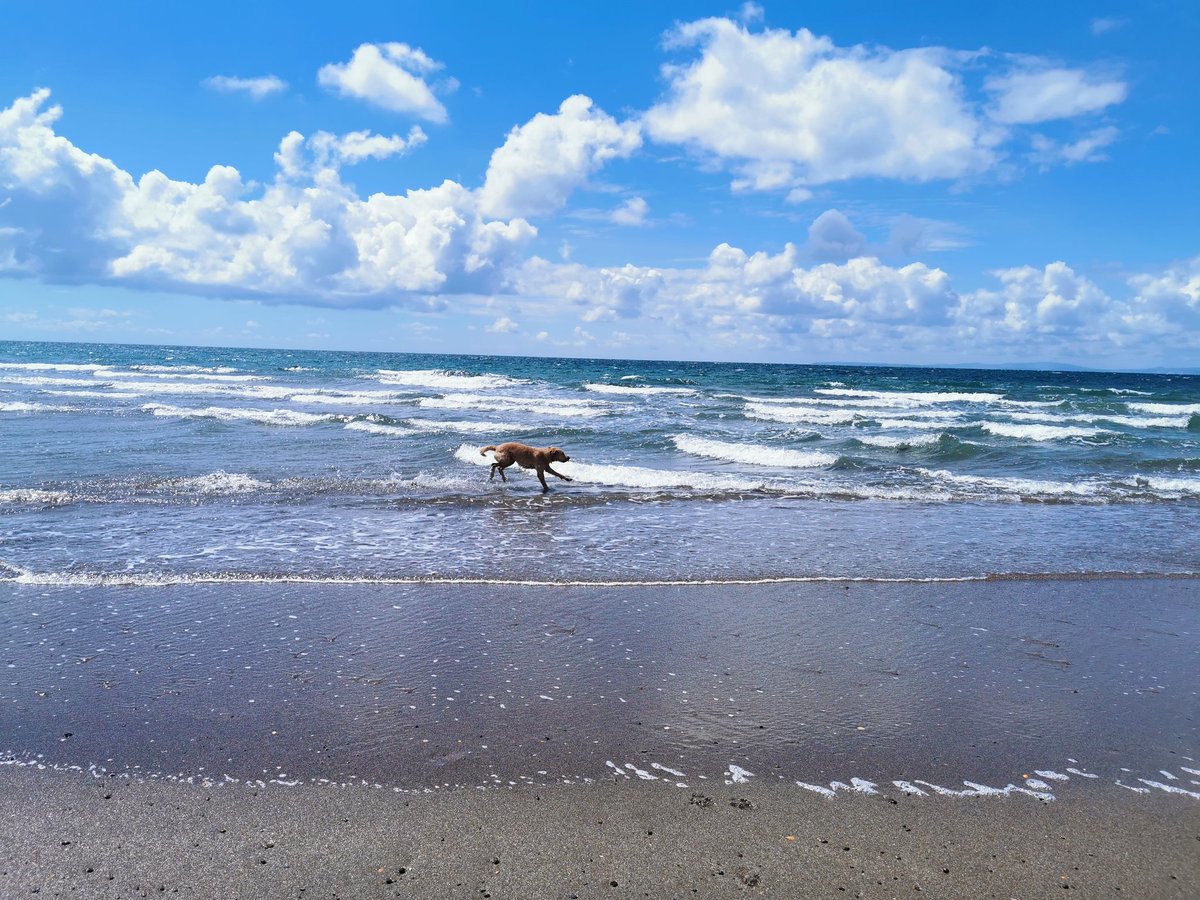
[557, 455]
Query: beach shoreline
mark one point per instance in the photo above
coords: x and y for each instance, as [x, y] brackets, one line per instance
[260, 739]
[109, 837]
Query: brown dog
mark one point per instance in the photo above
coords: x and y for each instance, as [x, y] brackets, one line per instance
[527, 457]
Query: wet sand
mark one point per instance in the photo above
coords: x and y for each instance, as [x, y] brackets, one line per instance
[1027, 736]
[111, 837]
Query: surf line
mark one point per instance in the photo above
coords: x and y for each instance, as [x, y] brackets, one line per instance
[17, 575]
[1030, 786]
[104, 579]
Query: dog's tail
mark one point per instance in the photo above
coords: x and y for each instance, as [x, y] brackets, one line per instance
[483, 450]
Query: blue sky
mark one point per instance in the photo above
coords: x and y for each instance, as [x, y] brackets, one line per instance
[874, 182]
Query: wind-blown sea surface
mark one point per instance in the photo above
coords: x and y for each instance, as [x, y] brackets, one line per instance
[151, 465]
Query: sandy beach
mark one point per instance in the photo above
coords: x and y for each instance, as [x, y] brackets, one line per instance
[67, 834]
[994, 738]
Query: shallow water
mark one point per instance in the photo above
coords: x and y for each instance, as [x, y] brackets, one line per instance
[150, 465]
[473, 685]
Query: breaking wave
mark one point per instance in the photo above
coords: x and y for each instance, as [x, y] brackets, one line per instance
[753, 454]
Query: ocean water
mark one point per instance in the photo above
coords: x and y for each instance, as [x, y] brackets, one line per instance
[156, 465]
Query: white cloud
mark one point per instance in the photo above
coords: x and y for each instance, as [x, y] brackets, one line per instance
[791, 109]
[257, 88]
[1031, 301]
[306, 237]
[1041, 95]
[754, 292]
[542, 161]
[391, 76]
[503, 325]
[833, 236]
[309, 237]
[299, 157]
[1167, 303]
[632, 212]
[63, 217]
[1089, 148]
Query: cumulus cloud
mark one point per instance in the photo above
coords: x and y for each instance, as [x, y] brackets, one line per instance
[833, 236]
[1167, 303]
[306, 237]
[257, 88]
[1032, 96]
[861, 307]
[502, 325]
[632, 212]
[1031, 303]
[793, 108]
[541, 162]
[753, 292]
[391, 76]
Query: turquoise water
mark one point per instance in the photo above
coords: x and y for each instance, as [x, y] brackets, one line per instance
[123, 464]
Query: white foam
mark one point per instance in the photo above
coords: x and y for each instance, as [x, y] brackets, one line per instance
[1038, 432]
[218, 370]
[660, 767]
[1127, 421]
[378, 428]
[21, 406]
[633, 391]
[975, 789]
[246, 391]
[350, 398]
[285, 417]
[895, 443]
[557, 406]
[95, 395]
[34, 497]
[1166, 409]
[738, 775]
[45, 381]
[1016, 487]
[856, 403]
[632, 476]
[1170, 788]
[1146, 421]
[438, 378]
[53, 367]
[221, 482]
[1185, 486]
[470, 427]
[922, 397]
[753, 454]
[805, 415]
[170, 579]
[164, 372]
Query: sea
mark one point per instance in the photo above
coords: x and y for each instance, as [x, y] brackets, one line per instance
[151, 465]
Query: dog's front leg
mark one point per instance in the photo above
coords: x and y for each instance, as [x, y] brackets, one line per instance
[542, 478]
[559, 474]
